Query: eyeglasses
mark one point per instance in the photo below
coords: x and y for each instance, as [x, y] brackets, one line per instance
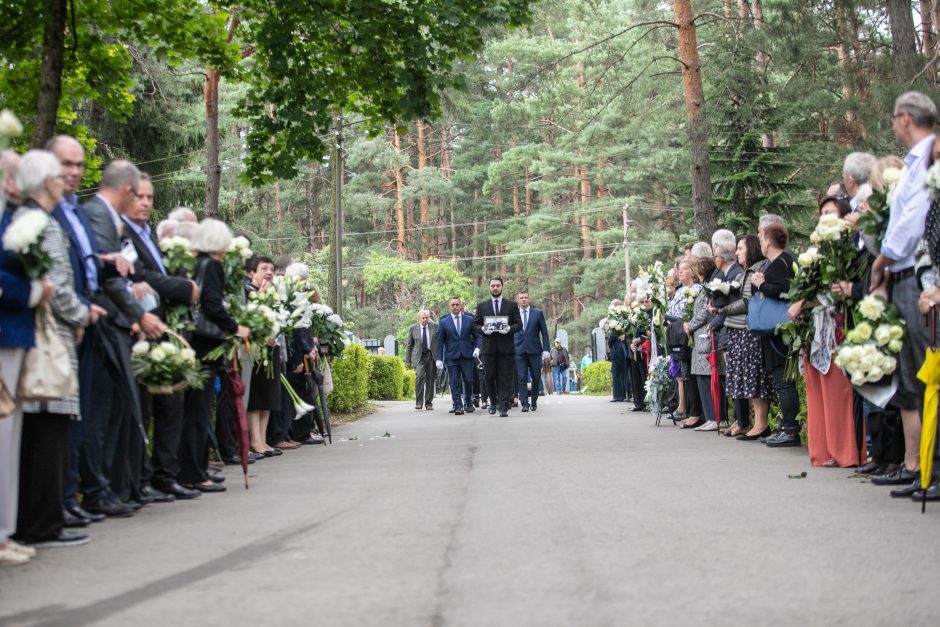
[73, 164]
[897, 115]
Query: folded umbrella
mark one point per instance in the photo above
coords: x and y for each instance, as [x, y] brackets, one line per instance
[929, 374]
[236, 388]
[712, 359]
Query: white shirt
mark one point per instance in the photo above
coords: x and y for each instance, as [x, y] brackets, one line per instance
[908, 209]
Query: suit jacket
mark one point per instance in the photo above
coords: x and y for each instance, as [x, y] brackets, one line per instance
[450, 345]
[17, 318]
[172, 289]
[528, 340]
[79, 278]
[497, 343]
[414, 348]
[122, 307]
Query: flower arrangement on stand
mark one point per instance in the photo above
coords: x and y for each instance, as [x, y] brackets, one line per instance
[658, 385]
[868, 354]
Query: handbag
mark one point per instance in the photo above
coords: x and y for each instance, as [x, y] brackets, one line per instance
[327, 385]
[764, 314]
[677, 341]
[47, 368]
[201, 323]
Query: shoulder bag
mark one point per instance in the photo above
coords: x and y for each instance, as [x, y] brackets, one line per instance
[764, 314]
[47, 369]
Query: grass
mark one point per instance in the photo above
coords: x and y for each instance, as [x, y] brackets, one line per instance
[341, 418]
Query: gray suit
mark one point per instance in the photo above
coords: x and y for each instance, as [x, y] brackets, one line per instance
[421, 357]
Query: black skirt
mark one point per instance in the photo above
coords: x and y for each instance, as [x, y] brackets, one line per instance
[265, 393]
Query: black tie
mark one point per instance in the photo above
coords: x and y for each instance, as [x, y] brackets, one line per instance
[496, 306]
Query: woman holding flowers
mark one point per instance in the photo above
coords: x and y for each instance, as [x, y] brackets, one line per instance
[697, 328]
[265, 393]
[690, 290]
[830, 421]
[211, 240]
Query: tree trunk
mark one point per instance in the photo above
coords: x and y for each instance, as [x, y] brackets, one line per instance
[585, 194]
[399, 202]
[50, 75]
[929, 40]
[423, 239]
[705, 221]
[903, 39]
[210, 92]
[279, 216]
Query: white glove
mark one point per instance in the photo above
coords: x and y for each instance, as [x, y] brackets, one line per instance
[476, 352]
[439, 364]
[503, 331]
[487, 331]
[545, 355]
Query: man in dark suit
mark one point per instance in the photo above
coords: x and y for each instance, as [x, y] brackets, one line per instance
[531, 349]
[114, 433]
[159, 474]
[498, 348]
[458, 344]
[419, 354]
[619, 356]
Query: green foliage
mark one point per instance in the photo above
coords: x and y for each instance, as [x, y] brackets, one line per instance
[386, 378]
[597, 380]
[408, 384]
[350, 379]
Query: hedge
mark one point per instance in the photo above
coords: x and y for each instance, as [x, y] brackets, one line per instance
[596, 379]
[350, 379]
[408, 384]
[386, 380]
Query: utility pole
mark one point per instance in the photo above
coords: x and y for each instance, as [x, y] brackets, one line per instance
[337, 160]
[626, 252]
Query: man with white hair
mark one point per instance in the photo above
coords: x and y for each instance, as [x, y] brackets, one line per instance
[183, 214]
[419, 354]
[855, 172]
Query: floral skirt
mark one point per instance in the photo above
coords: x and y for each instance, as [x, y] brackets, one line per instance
[746, 377]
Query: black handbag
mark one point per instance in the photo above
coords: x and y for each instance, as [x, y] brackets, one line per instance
[677, 341]
[201, 323]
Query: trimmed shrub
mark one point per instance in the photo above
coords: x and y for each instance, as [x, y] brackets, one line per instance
[408, 384]
[386, 379]
[350, 379]
[597, 379]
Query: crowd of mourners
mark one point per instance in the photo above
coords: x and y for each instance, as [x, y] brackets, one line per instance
[863, 410]
[105, 445]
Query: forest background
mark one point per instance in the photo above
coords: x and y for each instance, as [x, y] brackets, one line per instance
[518, 160]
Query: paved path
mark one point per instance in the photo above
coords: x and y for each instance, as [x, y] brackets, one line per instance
[580, 514]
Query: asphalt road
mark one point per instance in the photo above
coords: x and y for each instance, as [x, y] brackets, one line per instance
[580, 514]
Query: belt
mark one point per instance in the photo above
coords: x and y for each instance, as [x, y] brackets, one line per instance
[900, 275]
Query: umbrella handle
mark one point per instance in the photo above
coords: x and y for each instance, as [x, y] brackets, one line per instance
[933, 324]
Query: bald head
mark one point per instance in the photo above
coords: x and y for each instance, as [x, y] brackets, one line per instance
[71, 156]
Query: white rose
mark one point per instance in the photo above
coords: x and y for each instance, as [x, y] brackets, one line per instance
[875, 374]
[10, 124]
[25, 231]
[890, 176]
[168, 348]
[894, 346]
[335, 319]
[140, 348]
[889, 365]
[858, 378]
[871, 307]
[157, 354]
[188, 354]
[883, 334]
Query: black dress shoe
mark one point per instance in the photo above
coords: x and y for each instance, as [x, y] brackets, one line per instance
[458, 412]
[504, 414]
[429, 407]
[871, 468]
[615, 400]
[216, 479]
[750, 438]
[76, 510]
[907, 491]
[637, 409]
[452, 410]
[492, 410]
[179, 491]
[133, 505]
[476, 402]
[933, 494]
[209, 487]
[469, 408]
[900, 476]
[525, 409]
[535, 405]
[72, 521]
[417, 407]
[143, 498]
[109, 508]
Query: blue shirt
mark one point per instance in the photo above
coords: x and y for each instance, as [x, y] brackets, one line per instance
[69, 204]
[144, 233]
[909, 207]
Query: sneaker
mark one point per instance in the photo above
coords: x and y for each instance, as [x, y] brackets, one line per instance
[773, 434]
[725, 424]
[783, 439]
[11, 557]
[65, 538]
[711, 425]
[28, 551]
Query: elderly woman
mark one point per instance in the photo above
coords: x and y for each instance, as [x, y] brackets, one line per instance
[747, 380]
[19, 298]
[697, 328]
[693, 402]
[44, 453]
[210, 240]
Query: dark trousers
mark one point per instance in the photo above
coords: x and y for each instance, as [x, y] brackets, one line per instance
[194, 444]
[529, 368]
[460, 374]
[789, 400]
[425, 375]
[130, 453]
[225, 422]
[279, 423]
[619, 372]
[44, 460]
[638, 379]
[301, 426]
[500, 378]
[742, 413]
[166, 413]
[76, 436]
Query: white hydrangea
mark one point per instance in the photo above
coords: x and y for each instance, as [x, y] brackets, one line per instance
[335, 319]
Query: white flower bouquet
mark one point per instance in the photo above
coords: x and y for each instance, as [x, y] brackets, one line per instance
[24, 239]
[239, 251]
[177, 257]
[869, 352]
[166, 367]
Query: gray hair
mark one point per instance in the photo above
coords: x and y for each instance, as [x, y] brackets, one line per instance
[424, 311]
[183, 214]
[186, 230]
[9, 162]
[724, 243]
[919, 106]
[165, 225]
[701, 249]
[616, 302]
[298, 270]
[858, 166]
[35, 167]
[211, 236]
[119, 174]
[769, 218]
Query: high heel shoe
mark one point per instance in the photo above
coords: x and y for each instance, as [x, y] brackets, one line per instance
[750, 438]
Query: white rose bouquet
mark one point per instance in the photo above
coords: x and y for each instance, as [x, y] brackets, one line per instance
[328, 327]
[239, 251]
[869, 351]
[166, 367]
[24, 239]
[176, 255]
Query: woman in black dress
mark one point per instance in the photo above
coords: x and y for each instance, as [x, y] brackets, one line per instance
[264, 395]
[210, 241]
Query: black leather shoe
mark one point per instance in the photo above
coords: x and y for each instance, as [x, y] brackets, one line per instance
[476, 402]
[525, 409]
[417, 407]
[871, 468]
[179, 491]
[235, 461]
[615, 400]
[209, 487]
[133, 505]
[77, 511]
[144, 498]
[901, 476]
[159, 496]
[504, 414]
[452, 410]
[72, 521]
[216, 479]
[458, 412]
[535, 404]
[933, 494]
[492, 410]
[109, 508]
[907, 491]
